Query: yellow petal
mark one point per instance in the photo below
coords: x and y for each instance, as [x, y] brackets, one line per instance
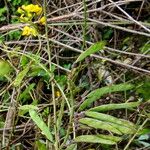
[26, 31]
[37, 9]
[42, 21]
[32, 8]
[58, 94]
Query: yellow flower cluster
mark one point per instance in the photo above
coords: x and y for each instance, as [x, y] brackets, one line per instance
[30, 9]
[29, 31]
[27, 13]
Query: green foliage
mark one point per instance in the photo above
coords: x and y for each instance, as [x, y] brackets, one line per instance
[144, 140]
[16, 2]
[25, 95]
[104, 125]
[21, 76]
[41, 145]
[109, 118]
[41, 124]
[96, 94]
[42, 71]
[91, 50]
[108, 107]
[2, 14]
[145, 48]
[1, 38]
[28, 107]
[107, 33]
[72, 147]
[62, 80]
[106, 122]
[24, 61]
[5, 68]
[143, 89]
[103, 139]
[14, 35]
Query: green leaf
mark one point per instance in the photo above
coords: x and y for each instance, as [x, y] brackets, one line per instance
[41, 124]
[106, 125]
[91, 50]
[41, 145]
[5, 68]
[14, 35]
[143, 88]
[28, 107]
[96, 94]
[25, 95]
[20, 76]
[24, 61]
[124, 126]
[108, 107]
[2, 11]
[110, 137]
[103, 139]
[145, 47]
[72, 147]
[97, 124]
[109, 118]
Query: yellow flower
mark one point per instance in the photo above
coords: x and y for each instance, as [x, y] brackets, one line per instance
[29, 31]
[37, 9]
[32, 9]
[26, 31]
[42, 21]
[58, 94]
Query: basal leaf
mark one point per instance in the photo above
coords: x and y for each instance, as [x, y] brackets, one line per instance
[91, 50]
[109, 118]
[96, 94]
[41, 124]
[103, 139]
[108, 107]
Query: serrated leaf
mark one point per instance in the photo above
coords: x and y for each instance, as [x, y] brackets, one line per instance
[108, 107]
[103, 139]
[91, 50]
[5, 68]
[96, 94]
[20, 76]
[97, 124]
[41, 124]
[109, 118]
